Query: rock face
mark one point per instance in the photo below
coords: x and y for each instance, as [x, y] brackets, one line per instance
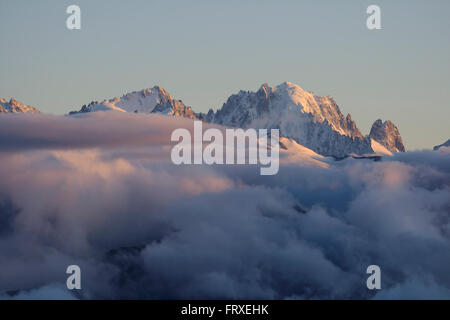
[445, 144]
[387, 134]
[152, 100]
[313, 121]
[14, 106]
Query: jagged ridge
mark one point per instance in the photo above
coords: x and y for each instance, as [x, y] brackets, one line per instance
[313, 121]
[387, 134]
[14, 106]
[152, 100]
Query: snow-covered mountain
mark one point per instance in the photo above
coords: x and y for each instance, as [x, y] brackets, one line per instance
[152, 100]
[445, 144]
[313, 121]
[387, 134]
[14, 106]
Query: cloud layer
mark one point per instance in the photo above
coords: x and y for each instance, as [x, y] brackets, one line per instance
[100, 191]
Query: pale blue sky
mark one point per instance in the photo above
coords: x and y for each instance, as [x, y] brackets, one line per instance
[203, 51]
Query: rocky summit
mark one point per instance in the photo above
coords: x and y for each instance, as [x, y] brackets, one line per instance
[387, 134]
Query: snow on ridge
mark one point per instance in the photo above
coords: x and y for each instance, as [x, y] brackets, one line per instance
[313, 121]
[14, 106]
[150, 100]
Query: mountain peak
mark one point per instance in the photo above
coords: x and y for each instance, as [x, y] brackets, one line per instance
[313, 121]
[148, 92]
[289, 85]
[264, 86]
[14, 106]
[292, 88]
[388, 135]
[150, 100]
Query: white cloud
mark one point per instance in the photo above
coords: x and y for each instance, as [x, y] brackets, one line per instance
[102, 193]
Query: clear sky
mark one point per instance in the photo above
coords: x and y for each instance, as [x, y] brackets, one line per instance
[203, 51]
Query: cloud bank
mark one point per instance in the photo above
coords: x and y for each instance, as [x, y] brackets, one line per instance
[100, 191]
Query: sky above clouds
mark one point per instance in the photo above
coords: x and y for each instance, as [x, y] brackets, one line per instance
[204, 51]
[141, 227]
